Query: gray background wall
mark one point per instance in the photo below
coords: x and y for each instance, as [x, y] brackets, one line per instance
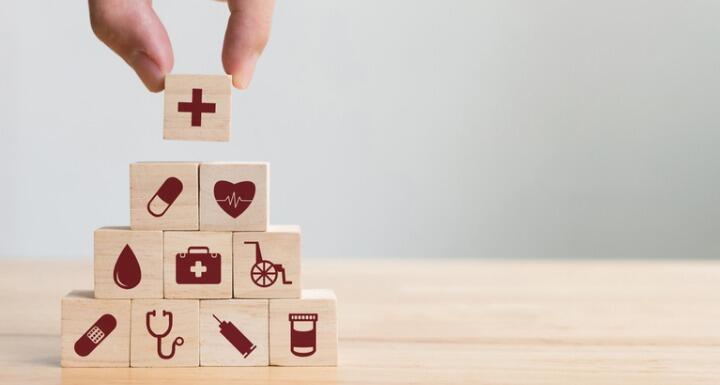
[502, 128]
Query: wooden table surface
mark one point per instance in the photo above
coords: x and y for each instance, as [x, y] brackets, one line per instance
[439, 321]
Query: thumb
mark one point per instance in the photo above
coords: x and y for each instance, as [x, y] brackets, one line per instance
[247, 34]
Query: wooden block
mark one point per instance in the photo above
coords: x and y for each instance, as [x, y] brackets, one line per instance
[151, 319]
[198, 107]
[95, 332]
[234, 196]
[239, 335]
[128, 263]
[164, 196]
[303, 332]
[198, 264]
[267, 264]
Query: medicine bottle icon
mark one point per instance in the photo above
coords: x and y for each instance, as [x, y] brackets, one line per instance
[303, 333]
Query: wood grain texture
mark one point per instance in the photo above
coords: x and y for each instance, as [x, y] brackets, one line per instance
[109, 243]
[249, 316]
[214, 126]
[315, 312]
[176, 242]
[280, 245]
[145, 180]
[143, 345]
[254, 217]
[434, 321]
[80, 311]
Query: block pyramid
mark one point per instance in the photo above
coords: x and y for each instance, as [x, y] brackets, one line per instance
[199, 278]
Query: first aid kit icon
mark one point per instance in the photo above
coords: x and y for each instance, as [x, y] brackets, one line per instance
[197, 266]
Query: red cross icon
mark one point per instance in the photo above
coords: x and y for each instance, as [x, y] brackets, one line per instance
[198, 269]
[196, 107]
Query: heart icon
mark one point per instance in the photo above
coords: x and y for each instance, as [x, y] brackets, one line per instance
[234, 198]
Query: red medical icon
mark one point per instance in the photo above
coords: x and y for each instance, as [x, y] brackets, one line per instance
[303, 335]
[236, 337]
[164, 197]
[95, 335]
[159, 336]
[196, 108]
[264, 273]
[234, 198]
[126, 273]
[197, 265]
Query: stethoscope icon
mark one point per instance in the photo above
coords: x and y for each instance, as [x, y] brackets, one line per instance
[178, 341]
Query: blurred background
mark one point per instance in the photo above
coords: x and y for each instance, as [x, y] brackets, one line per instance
[496, 129]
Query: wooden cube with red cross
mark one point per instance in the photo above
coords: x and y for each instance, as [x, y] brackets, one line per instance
[197, 107]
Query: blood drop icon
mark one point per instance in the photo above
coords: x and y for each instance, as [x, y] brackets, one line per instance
[127, 269]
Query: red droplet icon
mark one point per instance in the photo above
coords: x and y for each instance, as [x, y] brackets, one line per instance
[127, 269]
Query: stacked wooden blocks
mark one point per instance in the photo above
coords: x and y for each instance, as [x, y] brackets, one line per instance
[198, 279]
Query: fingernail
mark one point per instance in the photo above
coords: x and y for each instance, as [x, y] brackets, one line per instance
[148, 71]
[243, 76]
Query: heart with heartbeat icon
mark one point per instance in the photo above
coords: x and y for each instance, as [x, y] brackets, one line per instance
[234, 198]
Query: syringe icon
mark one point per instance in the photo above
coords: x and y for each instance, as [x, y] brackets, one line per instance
[235, 337]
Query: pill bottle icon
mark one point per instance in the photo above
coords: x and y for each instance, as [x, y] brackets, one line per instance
[303, 334]
[165, 196]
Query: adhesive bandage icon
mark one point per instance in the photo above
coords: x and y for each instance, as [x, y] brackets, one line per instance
[165, 196]
[95, 335]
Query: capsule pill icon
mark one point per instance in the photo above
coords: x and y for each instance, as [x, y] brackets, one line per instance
[165, 196]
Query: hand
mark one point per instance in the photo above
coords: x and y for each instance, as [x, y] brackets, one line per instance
[133, 30]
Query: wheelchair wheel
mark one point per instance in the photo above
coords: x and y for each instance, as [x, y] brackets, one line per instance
[263, 273]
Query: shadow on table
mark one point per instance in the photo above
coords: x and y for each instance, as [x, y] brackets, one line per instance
[205, 375]
[35, 351]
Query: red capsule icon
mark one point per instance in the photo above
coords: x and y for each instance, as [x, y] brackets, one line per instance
[164, 197]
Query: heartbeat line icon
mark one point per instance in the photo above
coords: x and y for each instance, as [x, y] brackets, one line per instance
[234, 200]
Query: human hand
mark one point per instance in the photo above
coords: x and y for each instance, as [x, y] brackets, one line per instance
[133, 30]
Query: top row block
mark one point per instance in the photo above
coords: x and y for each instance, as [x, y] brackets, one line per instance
[199, 196]
[197, 107]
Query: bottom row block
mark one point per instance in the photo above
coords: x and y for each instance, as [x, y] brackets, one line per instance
[184, 332]
[234, 333]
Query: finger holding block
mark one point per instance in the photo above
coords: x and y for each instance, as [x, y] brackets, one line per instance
[303, 331]
[95, 332]
[197, 107]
